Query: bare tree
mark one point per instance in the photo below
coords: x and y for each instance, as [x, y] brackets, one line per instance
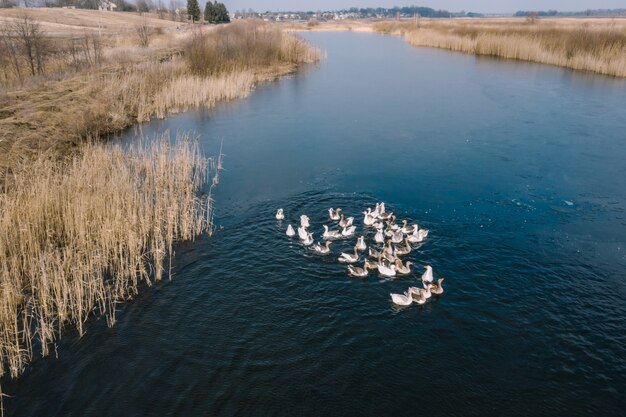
[144, 34]
[32, 42]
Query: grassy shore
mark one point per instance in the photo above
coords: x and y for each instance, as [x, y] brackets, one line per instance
[84, 223]
[81, 96]
[596, 45]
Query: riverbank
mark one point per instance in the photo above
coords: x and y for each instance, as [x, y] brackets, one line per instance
[106, 84]
[84, 223]
[596, 45]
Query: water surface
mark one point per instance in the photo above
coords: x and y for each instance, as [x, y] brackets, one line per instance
[518, 171]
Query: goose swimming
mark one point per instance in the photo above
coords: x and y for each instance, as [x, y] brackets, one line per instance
[426, 292]
[331, 234]
[427, 277]
[370, 265]
[405, 299]
[403, 269]
[379, 238]
[304, 221]
[369, 218]
[290, 232]
[348, 231]
[385, 216]
[380, 209]
[418, 295]
[360, 243]
[334, 214]
[418, 236]
[403, 251]
[386, 270]
[279, 214]
[356, 271]
[346, 222]
[309, 240]
[437, 289]
[397, 236]
[374, 253]
[302, 233]
[349, 258]
[322, 249]
[406, 229]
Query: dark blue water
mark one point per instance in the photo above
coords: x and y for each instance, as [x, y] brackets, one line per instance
[517, 169]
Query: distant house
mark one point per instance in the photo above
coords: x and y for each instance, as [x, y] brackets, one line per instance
[107, 5]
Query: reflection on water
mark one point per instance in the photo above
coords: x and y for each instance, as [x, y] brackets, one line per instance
[518, 171]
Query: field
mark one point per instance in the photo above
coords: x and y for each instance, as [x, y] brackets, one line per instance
[596, 45]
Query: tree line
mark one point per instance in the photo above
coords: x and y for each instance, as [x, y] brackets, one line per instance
[214, 12]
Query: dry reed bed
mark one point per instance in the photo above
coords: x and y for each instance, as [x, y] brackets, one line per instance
[193, 69]
[598, 46]
[82, 225]
[78, 237]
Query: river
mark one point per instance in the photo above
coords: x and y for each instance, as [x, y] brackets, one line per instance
[517, 169]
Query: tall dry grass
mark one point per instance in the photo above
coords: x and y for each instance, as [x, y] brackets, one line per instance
[178, 71]
[79, 236]
[597, 46]
[243, 46]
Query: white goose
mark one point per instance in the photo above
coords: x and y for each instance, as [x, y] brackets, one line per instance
[302, 233]
[397, 236]
[309, 240]
[349, 258]
[346, 222]
[386, 270]
[334, 214]
[322, 249]
[405, 299]
[427, 277]
[356, 271]
[304, 221]
[279, 214]
[369, 218]
[348, 231]
[380, 237]
[380, 209]
[418, 236]
[331, 234]
[290, 232]
[360, 243]
[407, 230]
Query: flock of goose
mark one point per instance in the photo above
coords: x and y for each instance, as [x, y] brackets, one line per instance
[391, 243]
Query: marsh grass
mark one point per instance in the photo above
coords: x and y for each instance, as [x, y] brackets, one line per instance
[134, 84]
[244, 46]
[597, 46]
[81, 234]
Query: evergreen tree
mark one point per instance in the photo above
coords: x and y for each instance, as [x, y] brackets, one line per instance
[209, 12]
[193, 10]
[222, 14]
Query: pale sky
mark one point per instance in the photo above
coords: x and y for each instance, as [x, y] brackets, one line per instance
[487, 6]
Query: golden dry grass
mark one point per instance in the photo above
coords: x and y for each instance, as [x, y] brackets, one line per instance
[597, 45]
[81, 234]
[68, 22]
[82, 225]
[55, 114]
